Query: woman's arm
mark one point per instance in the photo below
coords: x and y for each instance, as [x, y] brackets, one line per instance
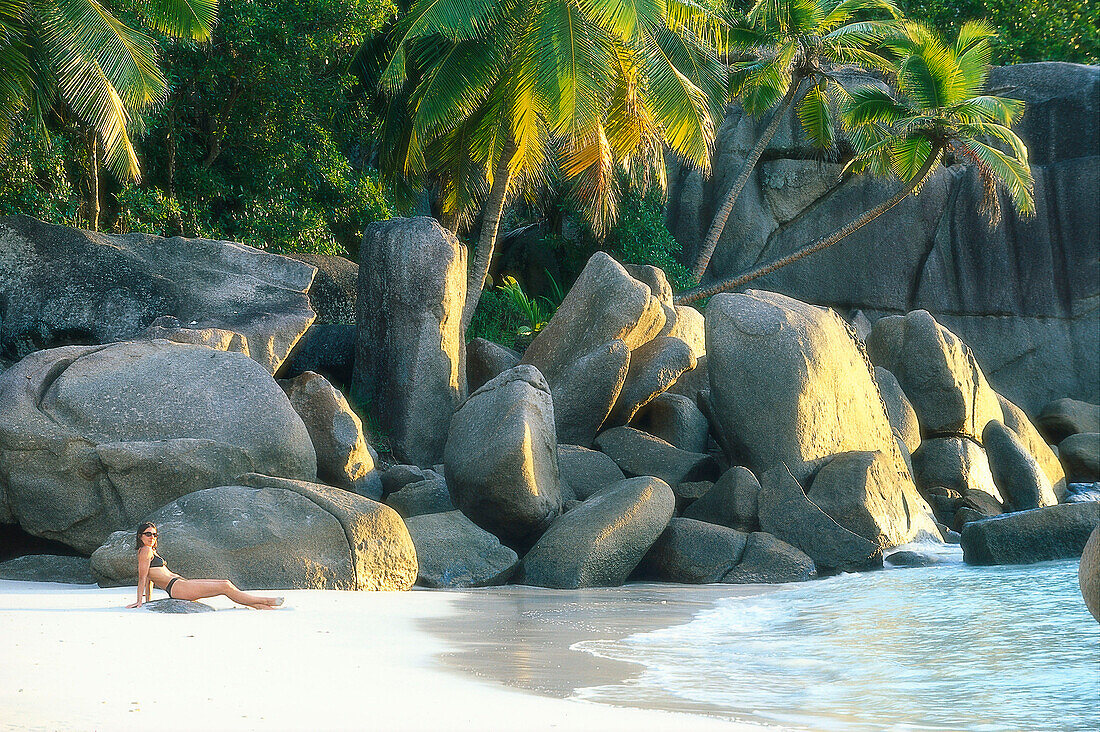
[145, 554]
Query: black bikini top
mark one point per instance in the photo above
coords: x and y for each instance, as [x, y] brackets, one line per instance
[156, 561]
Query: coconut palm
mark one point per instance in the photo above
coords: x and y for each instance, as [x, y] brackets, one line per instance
[794, 46]
[939, 108]
[485, 98]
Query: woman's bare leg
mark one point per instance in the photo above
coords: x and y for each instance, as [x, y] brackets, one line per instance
[199, 589]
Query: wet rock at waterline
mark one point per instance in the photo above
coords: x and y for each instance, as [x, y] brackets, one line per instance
[600, 542]
[410, 358]
[94, 438]
[454, 552]
[1017, 475]
[1088, 574]
[1025, 537]
[586, 471]
[731, 501]
[639, 453]
[343, 458]
[770, 560]
[64, 286]
[675, 419]
[294, 535]
[501, 457]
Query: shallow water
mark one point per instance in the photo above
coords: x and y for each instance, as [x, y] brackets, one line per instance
[947, 647]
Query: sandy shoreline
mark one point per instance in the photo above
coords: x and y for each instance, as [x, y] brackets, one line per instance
[74, 658]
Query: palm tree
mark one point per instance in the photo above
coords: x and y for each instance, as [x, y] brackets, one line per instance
[795, 44]
[78, 54]
[485, 98]
[939, 109]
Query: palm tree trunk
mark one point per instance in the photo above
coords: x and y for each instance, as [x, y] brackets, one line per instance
[720, 218]
[93, 181]
[487, 240]
[822, 243]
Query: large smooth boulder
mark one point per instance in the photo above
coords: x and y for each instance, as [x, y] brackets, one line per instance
[677, 420]
[639, 453]
[1080, 454]
[938, 373]
[866, 493]
[584, 472]
[501, 458]
[693, 552]
[731, 501]
[654, 367]
[1025, 537]
[1017, 475]
[1064, 417]
[94, 438]
[65, 286]
[903, 419]
[957, 463]
[770, 560]
[600, 542]
[789, 384]
[788, 514]
[586, 390]
[485, 360]
[327, 349]
[273, 533]
[410, 355]
[335, 287]
[1088, 574]
[1017, 420]
[48, 568]
[343, 457]
[691, 328]
[421, 498]
[454, 552]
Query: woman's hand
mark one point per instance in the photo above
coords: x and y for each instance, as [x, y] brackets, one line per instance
[134, 604]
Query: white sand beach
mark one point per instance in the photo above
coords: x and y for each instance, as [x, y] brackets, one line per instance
[73, 657]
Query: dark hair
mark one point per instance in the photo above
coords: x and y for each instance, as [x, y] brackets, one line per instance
[143, 527]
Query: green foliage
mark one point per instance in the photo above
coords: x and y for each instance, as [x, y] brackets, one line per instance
[497, 319]
[34, 181]
[641, 237]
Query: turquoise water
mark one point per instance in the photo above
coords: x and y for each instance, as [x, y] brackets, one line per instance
[948, 647]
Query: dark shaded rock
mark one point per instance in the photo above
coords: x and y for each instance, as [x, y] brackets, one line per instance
[1080, 454]
[398, 476]
[1017, 421]
[693, 552]
[982, 501]
[48, 568]
[335, 287]
[1017, 475]
[454, 552]
[731, 502]
[94, 438]
[586, 471]
[639, 453]
[788, 514]
[676, 420]
[502, 457]
[903, 419]
[328, 350]
[601, 541]
[769, 560]
[410, 356]
[586, 390]
[176, 607]
[694, 381]
[1088, 574]
[688, 493]
[906, 558]
[956, 463]
[966, 515]
[1039, 535]
[654, 367]
[65, 286]
[486, 360]
[417, 499]
[1064, 417]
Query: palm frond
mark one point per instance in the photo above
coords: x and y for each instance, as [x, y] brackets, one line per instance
[816, 118]
[625, 19]
[189, 19]
[1012, 174]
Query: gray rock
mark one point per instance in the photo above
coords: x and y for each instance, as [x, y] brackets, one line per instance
[788, 514]
[410, 357]
[903, 419]
[325, 349]
[343, 459]
[586, 390]
[486, 360]
[983, 502]
[866, 494]
[693, 552]
[169, 328]
[1017, 475]
[908, 558]
[176, 607]
[689, 492]
[967, 515]
[654, 278]
[676, 420]
[48, 568]
[789, 384]
[692, 382]
[1064, 417]
[94, 438]
[454, 552]
[1017, 421]
[586, 471]
[732, 501]
[1088, 574]
[418, 499]
[502, 457]
[691, 328]
[65, 286]
[938, 373]
[601, 541]
[769, 560]
[653, 368]
[333, 292]
[273, 533]
[1080, 454]
[398, 476]
[1039, 535]
[639, 453]
[954, 462]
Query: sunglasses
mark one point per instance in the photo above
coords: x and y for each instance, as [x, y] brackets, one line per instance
[148, 533]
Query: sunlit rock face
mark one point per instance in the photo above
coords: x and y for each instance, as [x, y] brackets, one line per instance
[1088, 574]
[501, 458]
[65, 286]
[1016, 420]
[94, 438]
[273, 533]
[410, 356]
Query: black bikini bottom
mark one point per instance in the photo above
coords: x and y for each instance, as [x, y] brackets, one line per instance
[171, 582]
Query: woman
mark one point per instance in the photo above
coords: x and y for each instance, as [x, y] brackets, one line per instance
[153, 571]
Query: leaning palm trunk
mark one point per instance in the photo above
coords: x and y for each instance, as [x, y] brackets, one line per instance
[487, 240]
[720, 218]
[822, 243]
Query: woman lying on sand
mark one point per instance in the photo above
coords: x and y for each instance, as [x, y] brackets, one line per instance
[153, 571]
